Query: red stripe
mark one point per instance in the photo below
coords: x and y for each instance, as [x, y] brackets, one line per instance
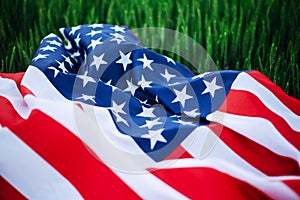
[292, 103]
[255, 154]
[207, 183]
[17, 77]
[294, 185]
[24, 90]
[66, 153]
[247, 104]
[8, 192]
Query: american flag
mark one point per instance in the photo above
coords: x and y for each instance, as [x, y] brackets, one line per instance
[100, 116]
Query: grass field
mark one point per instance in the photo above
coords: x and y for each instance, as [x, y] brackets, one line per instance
[261, 35]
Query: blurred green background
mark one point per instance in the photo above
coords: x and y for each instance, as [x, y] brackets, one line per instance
[261, 35]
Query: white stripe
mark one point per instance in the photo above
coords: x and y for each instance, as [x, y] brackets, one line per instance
[10, 91]
[35, 80]
[259, 130]
[284, 178]
[275, 189]
[149, 186]
[197, 142]
[29, 173]
[245, 82]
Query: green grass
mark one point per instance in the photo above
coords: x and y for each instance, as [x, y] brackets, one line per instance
[261, 35]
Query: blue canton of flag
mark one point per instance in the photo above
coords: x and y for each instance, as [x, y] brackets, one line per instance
[152, 98]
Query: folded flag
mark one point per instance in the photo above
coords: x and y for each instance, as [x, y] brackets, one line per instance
[101, 116]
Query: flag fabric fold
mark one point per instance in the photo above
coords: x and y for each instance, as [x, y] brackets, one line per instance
[97, 115]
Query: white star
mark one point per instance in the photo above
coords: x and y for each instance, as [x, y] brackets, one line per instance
[118, 29]
[92, 33]
[120, 119]
[54, 42]
[156, 98]
[68, 60]
[192, 113]
[113, 88]
[74, 29]
[62, 66]
[86, 79]
[98, 60]
[146, 62]
[84, 60]
[143, 102]
[118, 38]
[96, 26]
[118, 108]
[118, 35]
[176, 116]
[211, 87]
[184, 122]
[181, 96]
[40, 56]
[48, 48]
[77, 40]
[150, 123]
[87, 97]
[75, 54]
[94, 43]
[170, 60]
[131, 87]
[55, 70]
[167, 76]
[147, 112]
[155, 136]
[51, 35]
[200, 75]
[124, 60]
[109, 82]
[143, 83]
[176, 83]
